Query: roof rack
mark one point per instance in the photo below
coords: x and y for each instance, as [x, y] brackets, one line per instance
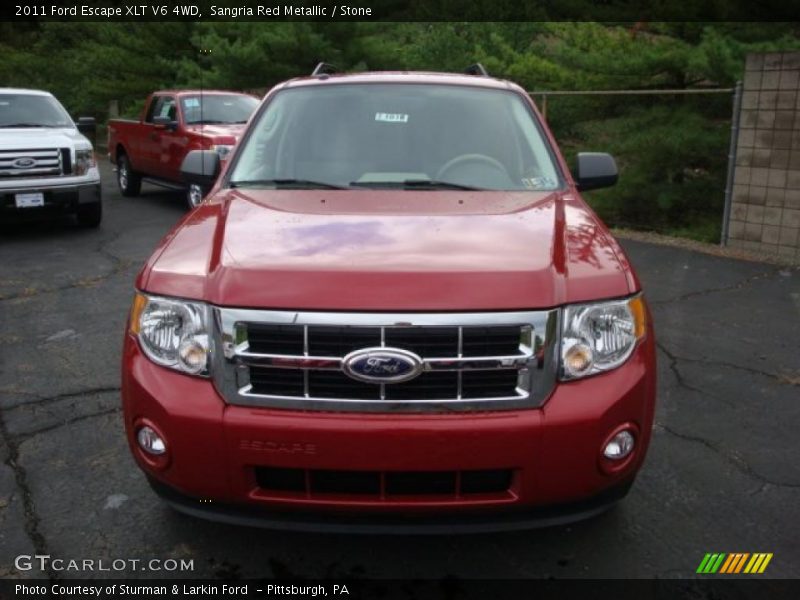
[324, 68]
[476, 69]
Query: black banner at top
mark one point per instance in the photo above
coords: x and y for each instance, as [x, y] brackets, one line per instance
[398, 10]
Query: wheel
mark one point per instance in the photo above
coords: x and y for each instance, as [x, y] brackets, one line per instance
[89, 215]
[130, 183]
[194, 195]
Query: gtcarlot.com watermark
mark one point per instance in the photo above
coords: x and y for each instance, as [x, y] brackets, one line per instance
[45, 563]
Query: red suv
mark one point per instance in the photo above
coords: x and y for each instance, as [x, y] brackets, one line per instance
[393, 313]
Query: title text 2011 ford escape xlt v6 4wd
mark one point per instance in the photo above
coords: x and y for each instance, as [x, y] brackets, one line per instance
[393, 312]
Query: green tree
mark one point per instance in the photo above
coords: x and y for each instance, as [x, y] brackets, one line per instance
[672, 149]
[252, 55]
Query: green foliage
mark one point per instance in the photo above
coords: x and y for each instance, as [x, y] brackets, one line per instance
[99, 62]
[251, 55]
[672, 150]
[673, 162]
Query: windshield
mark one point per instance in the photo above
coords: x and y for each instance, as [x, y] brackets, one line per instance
[217, 108]
[405, 136]
[31, 110]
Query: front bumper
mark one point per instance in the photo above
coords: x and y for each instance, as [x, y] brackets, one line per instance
[555, 452]
[256, 516]
[58, 197]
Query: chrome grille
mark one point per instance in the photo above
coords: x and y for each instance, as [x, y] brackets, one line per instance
[471, 361]
[40, 163]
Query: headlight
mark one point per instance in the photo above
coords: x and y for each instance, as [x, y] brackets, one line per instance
[223, 150]
[173, 333]
[84, 160]
[600, 337]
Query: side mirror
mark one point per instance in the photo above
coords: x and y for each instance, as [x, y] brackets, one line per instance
[594, 170]
[165, 123]
[201, 167]
[86, 125]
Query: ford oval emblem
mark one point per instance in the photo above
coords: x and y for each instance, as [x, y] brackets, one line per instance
[24, 163]
[382, 365]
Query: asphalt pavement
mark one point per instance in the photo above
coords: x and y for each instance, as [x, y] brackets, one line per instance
[722, 474]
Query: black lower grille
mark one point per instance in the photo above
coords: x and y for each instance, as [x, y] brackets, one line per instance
[345, 482]
[489, 384]
[485, 482]
[383, 483]
[277, 382]
[421, 483]
[335, 384]
[428, 386]
[281, 480]
[434, 385]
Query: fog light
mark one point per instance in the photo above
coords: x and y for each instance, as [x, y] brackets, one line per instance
[194, 354]
[619, 446]
[150, 441]
[577, 358]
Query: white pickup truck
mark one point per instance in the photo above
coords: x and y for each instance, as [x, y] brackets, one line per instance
[47, 165]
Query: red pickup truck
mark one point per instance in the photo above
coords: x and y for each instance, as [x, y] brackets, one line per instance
[395, 312]
[172, 124]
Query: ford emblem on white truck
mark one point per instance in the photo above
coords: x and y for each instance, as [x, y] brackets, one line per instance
[382, 365]
[24, 163]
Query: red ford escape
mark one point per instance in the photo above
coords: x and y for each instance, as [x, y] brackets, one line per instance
[393, 313]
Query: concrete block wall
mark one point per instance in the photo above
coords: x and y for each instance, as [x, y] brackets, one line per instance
[765, 212]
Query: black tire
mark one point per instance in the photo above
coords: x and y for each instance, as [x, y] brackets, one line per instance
[129, 182]
[89, 215]
[194, 195]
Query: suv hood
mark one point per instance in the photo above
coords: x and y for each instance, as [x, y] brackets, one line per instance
[32, 138]
[389, 250]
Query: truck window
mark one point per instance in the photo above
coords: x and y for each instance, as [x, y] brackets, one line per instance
[32, 110]
[217, 109]
[162, 106]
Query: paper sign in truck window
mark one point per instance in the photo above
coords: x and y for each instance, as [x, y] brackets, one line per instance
[391, 117]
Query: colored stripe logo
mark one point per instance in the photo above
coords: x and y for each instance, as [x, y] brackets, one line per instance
[734, 563]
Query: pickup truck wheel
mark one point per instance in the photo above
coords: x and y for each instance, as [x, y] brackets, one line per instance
[89, 215]
[194, 195]
[130, 183]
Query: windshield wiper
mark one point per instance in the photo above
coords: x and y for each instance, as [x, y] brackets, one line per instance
[208, 122]
[298, 184]
[11, 125]
[429, 184]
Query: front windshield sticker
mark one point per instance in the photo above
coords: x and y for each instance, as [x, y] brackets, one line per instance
[391, 117]
[538, 183]
[191, 102]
